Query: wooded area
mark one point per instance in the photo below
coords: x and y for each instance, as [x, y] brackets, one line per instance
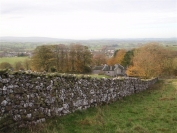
[149, 60]
[62, 58]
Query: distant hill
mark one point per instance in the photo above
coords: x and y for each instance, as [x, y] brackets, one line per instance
[31, 39]
[48, 39]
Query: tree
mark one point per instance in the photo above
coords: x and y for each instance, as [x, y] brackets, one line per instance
[86, 59]
[18, 66]
[72, 58]
[116, 51]
[127, 60]
[62, 58]
[5, 65]
[169, 62]
[117, 58]
[61, 52]
[110, 61]
[79, 57]
[26, 64]
[43, 58]
[99, 59]
[150, 60]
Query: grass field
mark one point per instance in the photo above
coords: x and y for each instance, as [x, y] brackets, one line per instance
[94, 76]
[150, 111]
[12, 60]
[172, 47]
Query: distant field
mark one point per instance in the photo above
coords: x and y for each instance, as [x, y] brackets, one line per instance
[12, 60]
[150, 111]
[172, 47]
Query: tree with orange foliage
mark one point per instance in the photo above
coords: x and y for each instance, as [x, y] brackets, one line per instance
[117, 58]
[110, 61]
[149, 61]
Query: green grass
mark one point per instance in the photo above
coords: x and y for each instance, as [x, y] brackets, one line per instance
[98, 76]
[12, 60]
[150, 111]
[94, 76]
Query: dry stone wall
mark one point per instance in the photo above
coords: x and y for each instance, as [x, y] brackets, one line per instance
[29, 99]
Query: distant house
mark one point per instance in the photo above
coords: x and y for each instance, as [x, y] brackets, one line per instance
[115, 70]
[97, 69]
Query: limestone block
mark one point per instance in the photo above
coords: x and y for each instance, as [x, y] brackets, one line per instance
[65, 106]
[4, 88]
[17, 117]
[4, 103]
[5, 80]
[92, 92]
[29, 116]
[65, 112]
[2, 109]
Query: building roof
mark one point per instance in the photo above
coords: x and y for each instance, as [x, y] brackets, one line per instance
[98, 68]
[108, 68]
[112, 68]
[120, 66]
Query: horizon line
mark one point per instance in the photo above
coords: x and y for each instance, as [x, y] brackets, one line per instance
[88, 38]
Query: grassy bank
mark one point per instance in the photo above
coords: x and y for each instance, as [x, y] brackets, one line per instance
[150, 111]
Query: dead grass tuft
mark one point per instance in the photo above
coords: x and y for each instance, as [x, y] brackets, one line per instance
[85, 121]
[140, 129]
[167, 98]
[162, 129]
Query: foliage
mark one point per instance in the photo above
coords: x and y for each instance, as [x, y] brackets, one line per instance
[22, 54]
[127, 60]
[99, 59]
[42, 59]
[27, 64]
[150, 111]
[115, 52]
[117, 58]
[61, 54]
[5, 65]
[62, 58]
[110, 61]
[18, 66]
[86, 69]
[79, 57]
[151, 60]
[169, 62]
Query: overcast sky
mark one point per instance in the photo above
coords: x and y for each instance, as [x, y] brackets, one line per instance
[89, 19]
